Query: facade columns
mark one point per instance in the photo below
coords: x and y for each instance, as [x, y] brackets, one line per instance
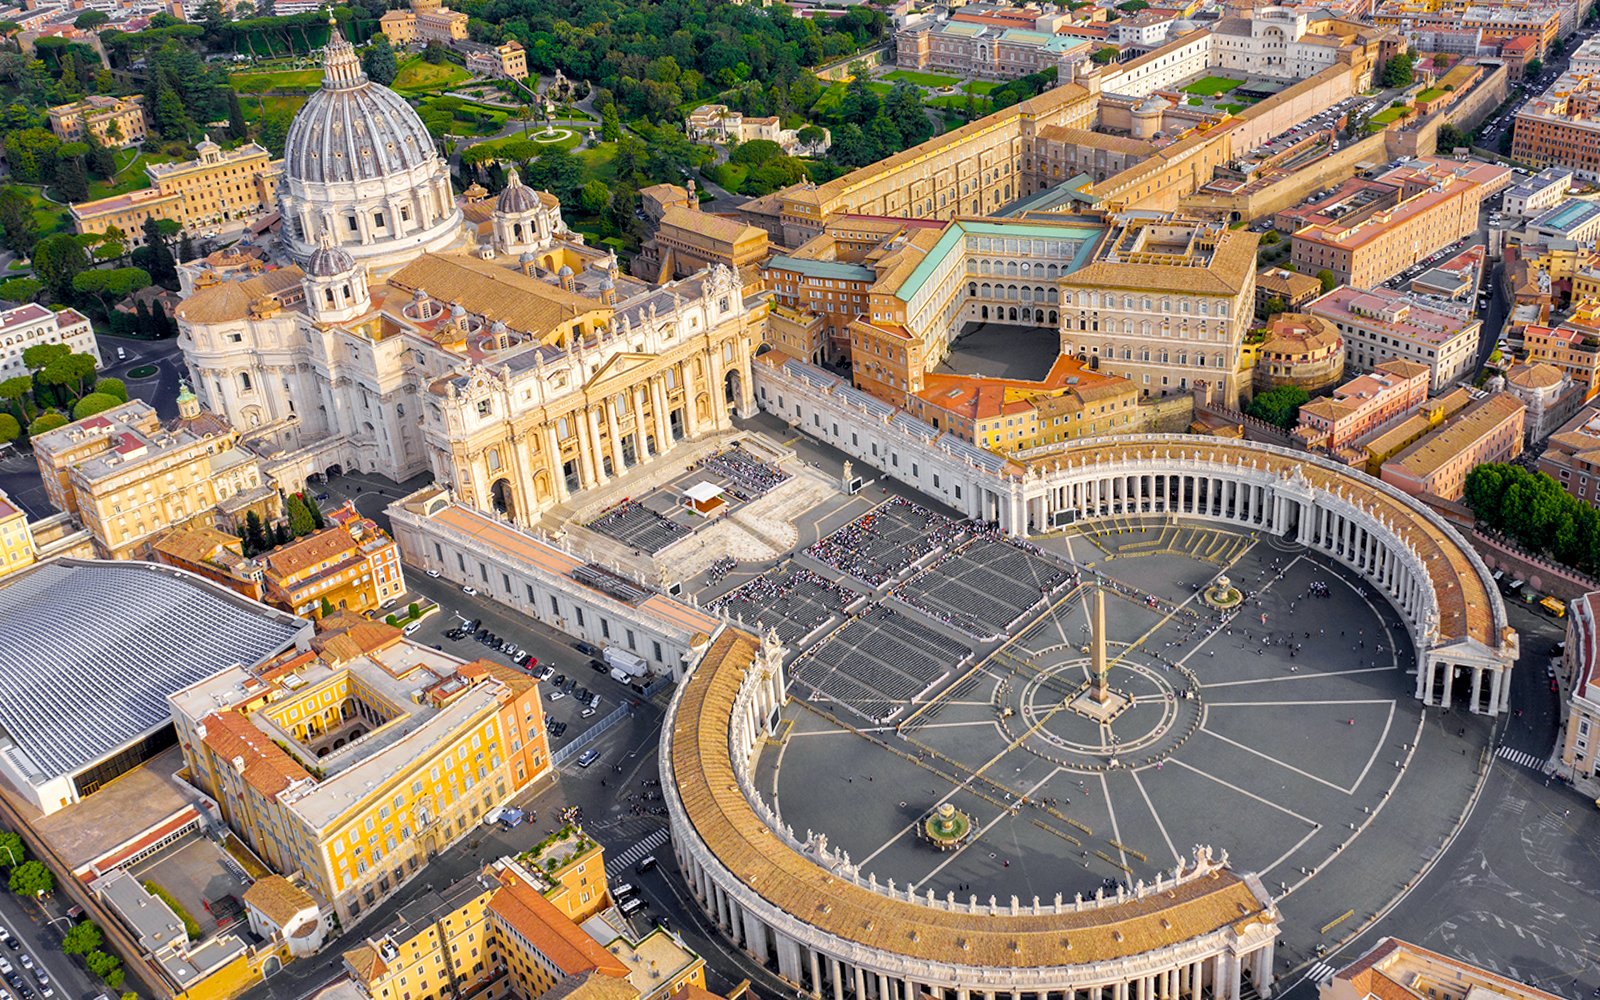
[596, 450]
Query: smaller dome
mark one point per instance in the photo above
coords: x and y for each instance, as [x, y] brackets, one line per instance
[517, 198]
[328, 261]
[457, 311]
[528, 257]
[606, 284]
[499, 328]
[1153, 104]
[419, 296]
[565, 272]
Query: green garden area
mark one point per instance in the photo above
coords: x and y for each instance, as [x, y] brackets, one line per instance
[1211, 86]
[1432, 94]
[417, 74]
[1386, 117]
[130, 175]
[299, 81]
[934, 80]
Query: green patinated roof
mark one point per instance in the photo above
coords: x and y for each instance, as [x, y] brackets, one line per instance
[958, 231]
[821, 268]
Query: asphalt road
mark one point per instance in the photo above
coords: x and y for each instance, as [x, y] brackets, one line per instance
[39, 935]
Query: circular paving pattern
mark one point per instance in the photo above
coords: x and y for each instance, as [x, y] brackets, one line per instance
[1281, 731]
[1162, 709]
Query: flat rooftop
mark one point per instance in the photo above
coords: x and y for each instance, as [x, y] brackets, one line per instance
[108, 642]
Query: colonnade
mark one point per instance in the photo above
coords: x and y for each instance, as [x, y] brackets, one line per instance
[1215, 963]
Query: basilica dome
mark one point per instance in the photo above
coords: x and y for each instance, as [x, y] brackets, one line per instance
[353, 129]
[361, 173]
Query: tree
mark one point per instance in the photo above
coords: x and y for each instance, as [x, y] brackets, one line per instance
[70, 374]
[1104, 56]
[31, 152]
[280, 535]
[300, 520]
[57, 260]
[1271, 238]
[594, 197]
[163, 268]
[435, 54]
[315, 511]
[610, 123]
[110, 285]
[21, 230]
[255, 534]
[47, 421]
[94, 402]
[31, 878]
[1280, 406]
[40, 355]
[327, 607]
[101, 964]
[1450, 137]
[82, 938]
[379, 61]
[1326, 277]
[12, 852]
[10, 429]
[1272, 307]
[238, 128]
[904, 107]
[860, 105]
[113, 387]
[17, 392]
[101, 161]
[90, 20]
[72, 179]
[755, 152]
[1533, 68]
[1399, 71]
[20, 289]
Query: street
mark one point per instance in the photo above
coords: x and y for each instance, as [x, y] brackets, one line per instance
[40, 937]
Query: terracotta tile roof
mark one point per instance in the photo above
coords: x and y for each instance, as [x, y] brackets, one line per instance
[230, 300]
[196, 545]
[267, 768]
[537, 920]
[592, 986]
[726, 822]
[278, 898]
[295, 558]
[712, 227]
[1231, 267]
[365, 963]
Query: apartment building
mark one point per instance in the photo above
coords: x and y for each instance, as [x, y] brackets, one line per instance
[1546, 189]
[426, 21]
[351, 565]
[1490, 430]
[499, 62]
[1435, 202]
[1561, 127]
[357, 761]
[1574, 351]
[1572, 456]
[1012, 415]
[1165, 302]
[1381, 324]
[495, 935]
[17, 551]
[1362, 405]
[130, 479]
[31, 324]
[117, 122]
[217, 187]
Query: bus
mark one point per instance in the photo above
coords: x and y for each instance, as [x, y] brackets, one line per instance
[1555, 607]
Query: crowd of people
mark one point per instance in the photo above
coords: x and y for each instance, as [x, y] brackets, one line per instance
[877, 547]
[803, 599]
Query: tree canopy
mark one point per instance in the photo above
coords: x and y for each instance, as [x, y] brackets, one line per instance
[1535, 512]
[1280, 406]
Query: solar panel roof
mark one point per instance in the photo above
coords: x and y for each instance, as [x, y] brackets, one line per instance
[89, 652]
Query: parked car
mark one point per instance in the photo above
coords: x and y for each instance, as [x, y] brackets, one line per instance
[470, 591]
[433, 573]
[588, 757]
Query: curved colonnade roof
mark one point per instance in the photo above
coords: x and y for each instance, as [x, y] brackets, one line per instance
[1469, 609]
[726, 823]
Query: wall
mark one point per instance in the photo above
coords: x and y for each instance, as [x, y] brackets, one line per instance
[1172, 415]
[1272, 198]
[1542, 575]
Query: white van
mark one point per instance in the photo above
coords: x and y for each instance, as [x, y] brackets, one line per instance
[412, 628]
[631, 906]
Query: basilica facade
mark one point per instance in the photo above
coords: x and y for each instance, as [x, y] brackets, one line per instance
[397, 328]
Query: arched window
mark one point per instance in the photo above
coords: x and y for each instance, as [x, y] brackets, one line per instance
[244, 381]
[972, 289]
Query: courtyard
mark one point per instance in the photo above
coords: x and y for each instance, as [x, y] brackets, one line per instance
[935, 664]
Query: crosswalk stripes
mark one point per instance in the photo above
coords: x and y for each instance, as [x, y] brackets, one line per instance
[1320, 973]
[626, 859]
[1521, 757]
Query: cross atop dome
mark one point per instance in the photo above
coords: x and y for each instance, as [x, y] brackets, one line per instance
[341, 67]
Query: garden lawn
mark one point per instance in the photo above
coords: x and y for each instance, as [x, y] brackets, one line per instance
[254, 107]
[727, 175]
[1232, 109]
[829, 101]
[979, 86]
[1432, 93]
[417, 74]
[131, 178]
[1387, 116]
[290, 79]
[881, 89]
[922, 79]
[599, 162]
[950, 102]
[1211, 86]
